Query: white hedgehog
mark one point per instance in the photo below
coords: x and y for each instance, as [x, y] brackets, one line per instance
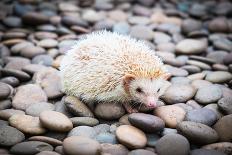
[109, 67]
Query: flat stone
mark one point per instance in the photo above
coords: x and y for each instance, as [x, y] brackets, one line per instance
[218, 77]
[55, 121]
[49, 140]
[141, 32]
[121, 27]
[175, 71]
[78, 145]
[12, 21]
[225, 105]
[76, 107]
[42, 59]
[141, 151]
[203, 115]
[10, 136]
[27, 124]
[102, 128]
[146, 122]
[84, 131]
[13, 81]
[224, 127]
[114, 149]
[106, 138]
[32, 51]
[170, 114]
[197, 133]
[172, 143]
[178, 93]
[109, 111]
[224, 147]
[27, 95]
[22, 76]
[37, 108]
[200, 83]
[47, 153]
[208, 94]
[131, 137]
[199, 64]
[223, 44]
[167, 131]
[214, 107]
[5, 90]
[33, 68]
[190, 25]
[160, 37]
[7, 113]
[219, 25]
[17, 64]
[180, 81]
[5, 104]
[191, 46]
[84, 121]
[35, 18]
[47, 43]
[206, 152]
[30, 147]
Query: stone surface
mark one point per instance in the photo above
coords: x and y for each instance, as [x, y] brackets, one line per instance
[191, 46]
[27, 95]
[146, 122]
[141, 32]
[30, 147]
[206, 152]
[76, 107]
[223, 128]
[84, 121]
[219, 77]
[221, 146]
[78, 145]
[208, 94]
[10, 136]
[49, 140]
[37, 108]
[4, 90]
[203, 115]
[106, 138]
[171, 143]
[197, 133]
[27, 124]
[178, 93]
[141, 151]
[170, 114]
[84, 131]
[225, 105]
[55, 121]
[109, 111]
[114, 149]
[131, 137]
[7, 113]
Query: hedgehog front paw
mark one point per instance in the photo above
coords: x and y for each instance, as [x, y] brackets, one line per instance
[129, 108]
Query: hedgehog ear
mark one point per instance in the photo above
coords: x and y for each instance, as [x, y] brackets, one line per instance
[166, 76]
[128, 78]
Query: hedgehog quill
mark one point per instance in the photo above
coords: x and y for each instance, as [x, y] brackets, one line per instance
[109, 67]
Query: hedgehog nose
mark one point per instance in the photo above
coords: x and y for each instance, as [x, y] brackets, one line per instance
[151, 104]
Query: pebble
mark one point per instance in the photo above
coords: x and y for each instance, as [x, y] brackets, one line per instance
[141, 151]
[172, 143]
[10, 136]
[199, 64]
[208, 94]
[223, 127]
[178, 93]
[33, 68]
[131, 137]
[200, 83]
[160, 37]
[202, 115]
[27, 124]
[167, 131]
[225, 105]
[114, 149]
[175, 71]
[49, 140]
[141, 32]
[218, 77]
[22, 76]
[220, 146]
[28, 94]
[37, 108]
[30, 148]
[76, 107]
[219, 25]
[78, 145]
[106, 138]
[180, 81]
[32, 51]
[121, 27]
[206, 152]
[13, 81]
[47, 153]
[170, 114]
[84, 131]
[84, 121]
[109, 111]
[12, 21]
[102, 128]
[4, 90]
[34, 18]
[191, 46]
[190, 25]
[197, 133]
[55, 121]
[223, 44]
[7, 113]
[146, 122]
[5, 104]
[214, 107]
[47, 43]
[43, 59]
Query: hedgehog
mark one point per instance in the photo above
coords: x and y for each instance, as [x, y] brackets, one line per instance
[105, 66]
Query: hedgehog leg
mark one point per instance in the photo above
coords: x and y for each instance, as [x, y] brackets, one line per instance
[129, 108]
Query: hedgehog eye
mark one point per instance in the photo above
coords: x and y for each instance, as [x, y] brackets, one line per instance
[139, 90]
[158, 90]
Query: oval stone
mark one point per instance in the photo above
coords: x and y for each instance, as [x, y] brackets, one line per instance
[221, 146]
[131, 137]
[55, 121]
[219, 77]
[78, 145]
[146, 122]
[197, 133]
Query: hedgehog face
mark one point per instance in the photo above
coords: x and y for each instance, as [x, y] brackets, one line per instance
[147, 90]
